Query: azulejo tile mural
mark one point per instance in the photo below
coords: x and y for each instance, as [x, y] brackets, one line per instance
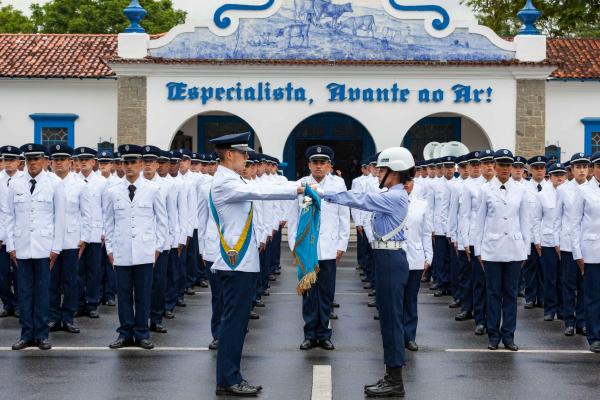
[327, 30]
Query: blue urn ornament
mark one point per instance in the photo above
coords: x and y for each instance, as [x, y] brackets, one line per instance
[134, 13]
[528, 16]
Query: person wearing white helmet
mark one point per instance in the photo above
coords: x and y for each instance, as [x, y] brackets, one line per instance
[396, 166]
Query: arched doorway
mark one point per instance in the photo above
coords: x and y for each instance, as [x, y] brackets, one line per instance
[345, 135]
[445, 127]
[195, 133]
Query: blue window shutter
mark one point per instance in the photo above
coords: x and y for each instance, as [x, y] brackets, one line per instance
[45, 120]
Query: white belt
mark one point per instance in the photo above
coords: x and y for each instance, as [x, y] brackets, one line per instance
[388, 245]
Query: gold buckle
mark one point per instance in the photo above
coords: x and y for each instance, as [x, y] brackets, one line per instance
[232, 255]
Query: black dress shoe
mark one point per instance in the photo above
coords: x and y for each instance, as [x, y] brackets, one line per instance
[493, 346]
[372, 303]
[254, 315]
[595, 347]
[120, 343]
[581, 331]
[111, 303]
[265, 293]
[390, 386]
[71, 328]
[511, 347]
[44, 344]
[434, 286]
[54, 327]
[169, 315]
[277, 272]
[549, 317]
[570, 331]
[214, 345]
[376, 317]
[371, 293]
[180, 303]
[22, 344]
[241, 389]
[363, 280]
[190, 292]
[455, 304]
[412, 346]
[335, 305]
[307, 344]
[259, 303]
[6, 313]
[521, 294]
[158, 328]
[326, 344]
[203, 284]
[529, 305]
[258, 387]
[441, 293]
[424, 279]
[17, 313]
[368, 286]
[479, 330]
[145, 344]
[463, 316]
[333, 315]
[93, 314]
[272, 278]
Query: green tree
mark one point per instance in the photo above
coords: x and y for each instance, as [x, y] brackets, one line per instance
[102, 16]
[560, 18]
[13, 21]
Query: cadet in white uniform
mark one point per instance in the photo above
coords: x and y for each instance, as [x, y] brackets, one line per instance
[35, 221]
[586, 249]
[334, 233]
[237, 263]
[501, 243]
[135, 219]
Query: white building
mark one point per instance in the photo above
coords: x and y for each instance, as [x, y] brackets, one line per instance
[358, 75]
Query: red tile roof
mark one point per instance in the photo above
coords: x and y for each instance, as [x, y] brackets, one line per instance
[84, 56]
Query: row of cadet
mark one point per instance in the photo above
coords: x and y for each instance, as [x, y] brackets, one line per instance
[490, 236]
[76, 233]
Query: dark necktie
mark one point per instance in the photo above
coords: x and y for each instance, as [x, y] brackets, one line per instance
[85, 180]
[539, 187]
[502, 187]
[8, 181]
[131, 192]
[242, 178]
[33, 182]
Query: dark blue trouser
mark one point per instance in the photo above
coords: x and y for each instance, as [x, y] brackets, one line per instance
[265, 266]
[533, 276]
[411, 294]
[591, 293]
[202, 272]
[90, 265]
[465, 281]
[34, 284]
[479, 291]
[216, 300]
[159, 288]
[276, 257]
[173, 280]
[64, 279]
[572, 287]
[369, 268]
[108, 284]
[134, 284]
[502, 285]
[550, 265]
[8, 294]
[441, 262]
[192, 261]
[454, 272]
[182, 273]
[238, 290]
[316, 303]
[392, 273]
[361, 248]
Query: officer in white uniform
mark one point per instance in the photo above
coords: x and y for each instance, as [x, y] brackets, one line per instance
[35, 221]
[586, 249]
[64, 275]
[236, 264]
[546, 240]
[572, 282]
[501, 244]
[90, 263]
[419, 253]
[334, 233]
[190, 257]
[361, 243]
[108, 284]
[458, 260]
[135, 220]
[8, 273]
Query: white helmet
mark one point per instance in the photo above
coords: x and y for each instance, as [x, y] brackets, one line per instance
[396, 159]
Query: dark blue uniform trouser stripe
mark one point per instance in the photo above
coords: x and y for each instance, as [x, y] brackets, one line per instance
[90, 264]
[551, 284]
[391, 269]
[465, 280]
[173, 280]
[572, 287]
[159, 288]
[64, 279]
[502, 284]
[441, 261]
[533, 276]
[34, 296]
[238, 291]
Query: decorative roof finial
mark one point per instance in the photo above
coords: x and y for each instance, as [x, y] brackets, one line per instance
[134, 13]
[528, 16]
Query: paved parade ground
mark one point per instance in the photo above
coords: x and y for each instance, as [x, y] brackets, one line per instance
[452, 363]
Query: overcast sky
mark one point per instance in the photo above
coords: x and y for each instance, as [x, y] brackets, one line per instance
[196, 12]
